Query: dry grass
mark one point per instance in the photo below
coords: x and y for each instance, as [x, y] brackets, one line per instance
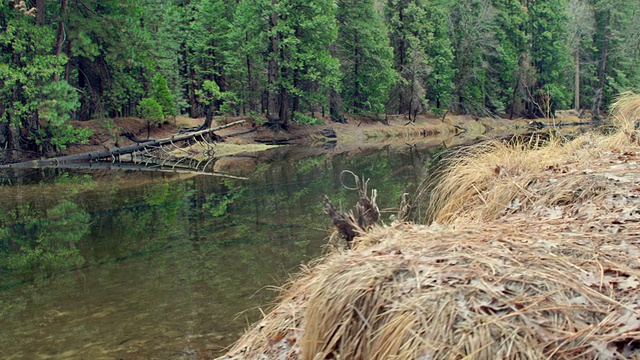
[543, 263]
[626, 115]
[484, 293]
[402, 132]
[201, 151]
[484, 180]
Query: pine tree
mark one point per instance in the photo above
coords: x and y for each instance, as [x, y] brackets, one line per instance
[365, 56]
[511, 71]
[288, 41]
[616, 39]
[35, 103]
[473, 34]
[245, 63]
[108, 55]
[207, 42]
[580, 28]
[422, 55]
[549, 55]
[162, 95]
[308, 72]
[164, 32]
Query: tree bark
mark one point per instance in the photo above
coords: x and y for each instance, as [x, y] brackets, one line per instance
[335, 99]
[576, 100]
[40, 12]
[251, 87]
[273, 105]
[604, 53]
[356, 74]
[61, 33]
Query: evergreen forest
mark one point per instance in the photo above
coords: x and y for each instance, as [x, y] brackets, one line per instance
[296, 60]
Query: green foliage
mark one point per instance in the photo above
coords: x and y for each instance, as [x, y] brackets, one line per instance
[290, 57]
[510, 75]
[474, 42]
[59, 100]
[206, 32]
[298, 42]
[42, 245]
[217, 204]
[304, 119]
[210, 94]
[162, 95]
[110, 50]
[245, 64]
[33, 98]
[549, 52]
[366, 57]
[422, 55]
[150, 110]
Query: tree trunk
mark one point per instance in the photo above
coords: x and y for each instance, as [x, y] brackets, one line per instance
[40, 12]
[208, 119]
[576, 100]
[295, 106]
[604, 53]
[61, 33]
[273, 105]
[356, 72]
[194, 111]
[251, 88]
[335, 99]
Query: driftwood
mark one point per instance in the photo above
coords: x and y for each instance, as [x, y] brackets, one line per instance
[359, 220]
[115, 153]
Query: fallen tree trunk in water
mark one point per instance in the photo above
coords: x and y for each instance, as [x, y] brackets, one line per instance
[116, 153]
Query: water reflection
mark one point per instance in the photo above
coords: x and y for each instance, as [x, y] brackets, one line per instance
[138, 265]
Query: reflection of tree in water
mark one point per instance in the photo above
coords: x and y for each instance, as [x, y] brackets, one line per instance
[283, 202]
[151, 223]
[41, 244]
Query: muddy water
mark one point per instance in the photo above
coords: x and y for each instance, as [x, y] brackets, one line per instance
[134, 265]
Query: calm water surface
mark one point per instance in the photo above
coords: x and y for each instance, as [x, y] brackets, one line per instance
[135, 265]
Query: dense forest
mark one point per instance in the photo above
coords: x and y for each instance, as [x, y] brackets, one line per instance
[295, 60]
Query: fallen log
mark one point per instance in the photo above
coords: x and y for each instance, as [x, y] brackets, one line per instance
[175, 167]
[115, 153]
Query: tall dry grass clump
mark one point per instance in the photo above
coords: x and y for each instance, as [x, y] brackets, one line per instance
[625, 113]
[486, 179]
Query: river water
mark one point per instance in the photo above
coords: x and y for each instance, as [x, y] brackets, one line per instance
[137, 265]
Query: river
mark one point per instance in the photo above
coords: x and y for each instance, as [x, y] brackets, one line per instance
[99, 264]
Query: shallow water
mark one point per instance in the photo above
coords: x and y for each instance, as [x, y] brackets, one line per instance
[133, 265]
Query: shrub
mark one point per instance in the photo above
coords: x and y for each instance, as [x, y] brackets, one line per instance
[150, 110]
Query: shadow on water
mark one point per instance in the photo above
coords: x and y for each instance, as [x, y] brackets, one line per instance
[101, 264]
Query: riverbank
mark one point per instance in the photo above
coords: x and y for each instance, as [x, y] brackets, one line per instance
[356, 134]
[533, 253]
[241, 143]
